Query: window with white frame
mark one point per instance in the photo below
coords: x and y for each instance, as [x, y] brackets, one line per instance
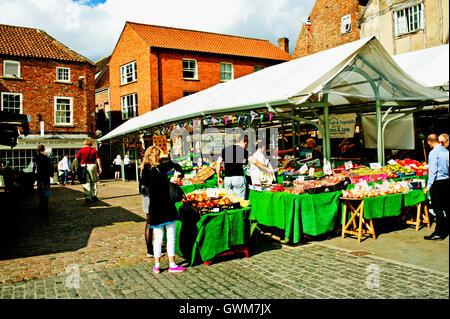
[226, 71]
[63, 110]
[11, 68]
[189, 69]
[408, 20]
[128, 73]
[129, 106]
[63, 74]
[12, 102]
[346, 24]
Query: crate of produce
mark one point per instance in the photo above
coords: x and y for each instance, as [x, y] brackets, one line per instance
[378, 177]
[357, 179]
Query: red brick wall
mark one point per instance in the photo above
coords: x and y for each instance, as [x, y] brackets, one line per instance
[153, 62]
[129, 48]
[325, 20]
[208, 67]
[39, 87]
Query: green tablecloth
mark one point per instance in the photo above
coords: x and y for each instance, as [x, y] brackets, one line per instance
[210, 183]
[311, 214]
[201, 238]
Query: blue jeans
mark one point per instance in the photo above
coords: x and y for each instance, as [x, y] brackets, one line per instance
[236, 184]
[43, 188]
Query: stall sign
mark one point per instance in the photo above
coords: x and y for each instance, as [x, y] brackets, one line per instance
[348, 165]
[375, 165]
[341, 125]
[327, 169]
[392, 162]
[303, 169]
[161, 142]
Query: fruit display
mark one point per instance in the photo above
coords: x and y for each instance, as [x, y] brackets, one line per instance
[213, 200]
[361, 173]
[363, 190]
[399, 170]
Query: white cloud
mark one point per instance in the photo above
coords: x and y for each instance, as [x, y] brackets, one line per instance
[94, 30]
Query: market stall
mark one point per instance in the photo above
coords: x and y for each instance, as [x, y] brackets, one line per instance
[207, 230]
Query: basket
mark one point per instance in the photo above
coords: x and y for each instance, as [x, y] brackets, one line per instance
[203, 175]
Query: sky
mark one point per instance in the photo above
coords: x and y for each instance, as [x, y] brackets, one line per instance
[92, 27]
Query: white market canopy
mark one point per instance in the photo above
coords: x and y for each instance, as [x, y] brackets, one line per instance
[358, 73]
[429, 66]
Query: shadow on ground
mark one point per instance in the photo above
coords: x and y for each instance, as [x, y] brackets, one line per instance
[25, 232]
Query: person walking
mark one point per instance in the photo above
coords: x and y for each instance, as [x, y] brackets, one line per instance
[126, 167]
[234, 157]
[43, 168]
[161, 212]
[89, 158]
[439, 186]
[117, 165]
[66, 168]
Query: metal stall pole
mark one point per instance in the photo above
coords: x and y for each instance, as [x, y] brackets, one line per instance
[122, 167]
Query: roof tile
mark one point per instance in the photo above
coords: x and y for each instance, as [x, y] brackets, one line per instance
[35, 43]
[199, 41]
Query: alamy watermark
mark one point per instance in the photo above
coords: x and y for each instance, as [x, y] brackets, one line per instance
[373, 279]
[73, 279]
[209, 144]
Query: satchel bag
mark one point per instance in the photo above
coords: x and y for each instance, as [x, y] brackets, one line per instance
[176, 194]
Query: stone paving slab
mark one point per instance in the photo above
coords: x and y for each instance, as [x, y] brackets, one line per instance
[305, 272]
[104, 241]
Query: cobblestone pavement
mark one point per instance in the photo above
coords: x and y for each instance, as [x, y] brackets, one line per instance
[104, 241]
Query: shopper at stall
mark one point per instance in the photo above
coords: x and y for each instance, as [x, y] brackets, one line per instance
[61, 172]
[443, 139]
[89, 158]
[117, 165]
[43, 168]
[162, 212]
[74, 171]
[234, 157]
[257, 172]
[439, 186]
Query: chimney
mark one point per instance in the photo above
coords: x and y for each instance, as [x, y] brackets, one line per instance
[283, 44]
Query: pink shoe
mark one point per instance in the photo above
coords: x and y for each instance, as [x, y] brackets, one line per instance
[157, 270]
[177, 269]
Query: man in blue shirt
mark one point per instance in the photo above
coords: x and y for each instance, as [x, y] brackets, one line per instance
[438, 185]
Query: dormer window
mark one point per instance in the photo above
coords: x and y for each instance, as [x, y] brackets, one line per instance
[11, 68]
[63, 74]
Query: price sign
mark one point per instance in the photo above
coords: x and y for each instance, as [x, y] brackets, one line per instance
[327, 169]
[301, 179]
[311, 172]
[212, 192]
[375, 165]
[392, 162]
[308, 155]
[348, 165]
[303, 169]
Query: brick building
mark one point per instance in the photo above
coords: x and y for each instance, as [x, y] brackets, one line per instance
[102, 95]
[42, 78]
[153, 65]
[331, 23]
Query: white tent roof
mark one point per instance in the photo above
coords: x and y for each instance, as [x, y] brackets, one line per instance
[429, 66]
[342, 72]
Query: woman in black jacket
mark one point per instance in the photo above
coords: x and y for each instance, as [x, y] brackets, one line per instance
[161, 210]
